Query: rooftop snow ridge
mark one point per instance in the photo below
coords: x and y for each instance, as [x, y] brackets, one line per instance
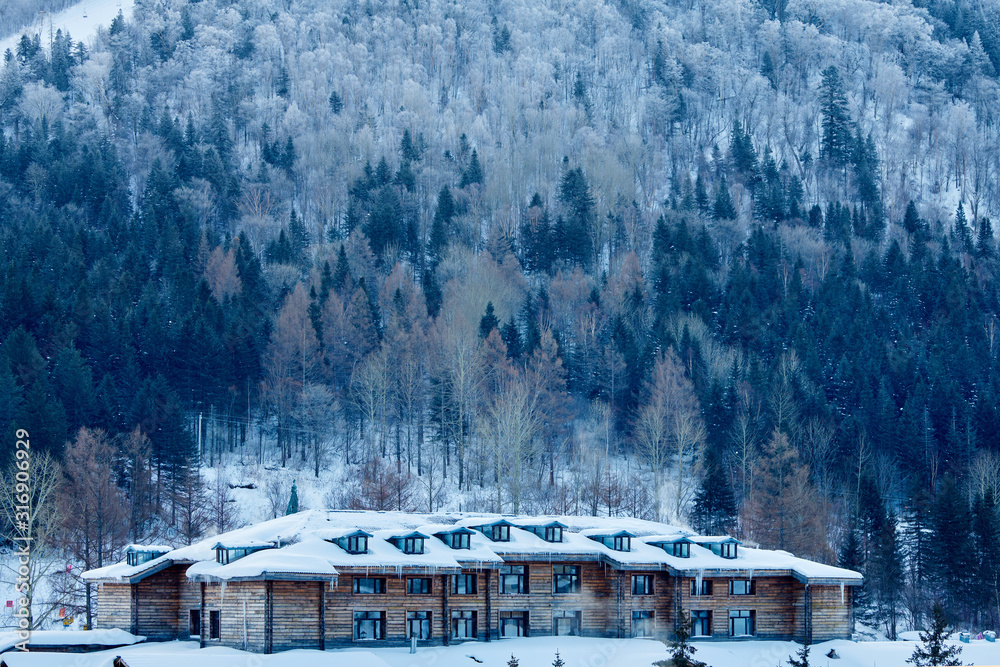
[306, 544]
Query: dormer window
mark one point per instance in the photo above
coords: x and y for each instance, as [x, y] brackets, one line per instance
[460, 541]
[501, 533]
[622, 543]
[134, 556]
[358, 544]
[728, 550]
[681, 549]
[553, 534]
[227, 553]
[413, 545]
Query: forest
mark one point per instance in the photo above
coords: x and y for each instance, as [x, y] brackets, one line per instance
[726, 264]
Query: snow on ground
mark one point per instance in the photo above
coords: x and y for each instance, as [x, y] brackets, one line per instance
[109, 637]
[530, 652]
[81, 21]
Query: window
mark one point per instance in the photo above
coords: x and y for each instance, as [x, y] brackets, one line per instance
[357, 544]
[418, 586]
[642, 584]
[565, 578]
[221, 556]
[463, 624]
[194, 623]
[513, 624]
[743, 587]
[728, 550]
[460, 541]
[418, 624]
[513, 580]
[622, 543]
[214, 624]
[705, 589]
[413, 545]
[365, 586]
[682, 550]
[369, 625]
[553, 534]
[501, 533]
[642, 624]
[701, 624]
[566, 623]
[139, 557]
[741, 622]
[463, 584]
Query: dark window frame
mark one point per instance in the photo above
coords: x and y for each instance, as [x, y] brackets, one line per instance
[511, 572]
[642, 584]
[378, 586]
[621, 543]
[682, 550]
[646, 619]
[747, 587]
[424, 619]
[413, 545]
[727, 550]
[501, 533]
[464, 618]
[566, 579]
[706, 588]
[423, 585]
[460, 541]
[215, 624]
[357, 544]
[378, 626]
[701, 619]
[466, 578]
[517, 619]
[194, 622]
[751, 623]
[575, 627]
[553, 534]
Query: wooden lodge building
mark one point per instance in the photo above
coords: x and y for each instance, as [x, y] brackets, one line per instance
[324, 579]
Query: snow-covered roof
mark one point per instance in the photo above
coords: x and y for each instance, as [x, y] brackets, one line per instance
[107, 637]
[243, 544]
[305, 545]
[148, 548]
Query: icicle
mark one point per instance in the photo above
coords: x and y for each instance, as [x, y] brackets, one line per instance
[750, 574]
[222, 589]
[697, 587]
[842, 593]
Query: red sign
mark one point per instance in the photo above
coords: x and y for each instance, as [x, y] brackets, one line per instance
[10, 603]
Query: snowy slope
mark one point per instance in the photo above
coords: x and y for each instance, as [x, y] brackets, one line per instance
[531, 652]
[81, 21]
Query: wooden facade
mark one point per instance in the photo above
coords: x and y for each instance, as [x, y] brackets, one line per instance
[533, 593]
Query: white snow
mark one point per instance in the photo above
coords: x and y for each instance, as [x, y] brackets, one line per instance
[81, 21]
[531, 652]
[112, 637]
[303, 547]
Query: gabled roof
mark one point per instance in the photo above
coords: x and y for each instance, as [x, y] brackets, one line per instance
[244, 544]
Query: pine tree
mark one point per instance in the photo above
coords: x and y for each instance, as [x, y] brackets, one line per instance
[802, 657]
[911, 219]
[714, 503]
[488, 322]
[681, 650]
[336, 104]
[836, 139]
[934, 651]
[558, 662]
[513, 662]
[293, 501]
[724, 209]
[473, 174]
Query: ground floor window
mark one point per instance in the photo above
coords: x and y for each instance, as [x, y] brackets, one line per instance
[369, 625]
[214, 624]
[463, 624]
[566, 623]
[642, 624]
[513, 624]
[194, 623]
[741, 622]
[418, 624]
[701, 623]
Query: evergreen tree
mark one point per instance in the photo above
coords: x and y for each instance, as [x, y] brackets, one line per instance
[934, 651]
[681, 650]
[911, 219]
[488, 322]
[802, 657]
[835, 142]
[558, 662]
[513, 662]
[473, 174]
[293, 501]
[512, 339]
[336, 104]
[714, 503]
[724, 209]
